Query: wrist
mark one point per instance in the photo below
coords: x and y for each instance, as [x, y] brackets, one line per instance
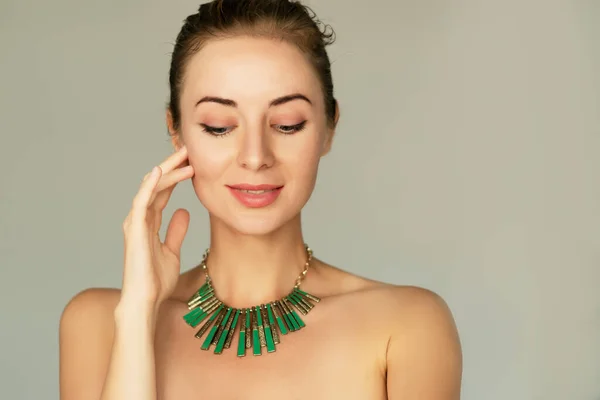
[138, 312]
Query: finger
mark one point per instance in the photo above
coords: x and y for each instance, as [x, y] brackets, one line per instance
[142, 197]
[175, 159]
[176, 230]
[174, 177]
[167, 184]
[162, 193]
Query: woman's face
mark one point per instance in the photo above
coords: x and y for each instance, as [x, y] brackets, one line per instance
[241, 131]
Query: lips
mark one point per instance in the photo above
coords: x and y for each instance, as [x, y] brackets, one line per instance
[255, 196]
[247, 186]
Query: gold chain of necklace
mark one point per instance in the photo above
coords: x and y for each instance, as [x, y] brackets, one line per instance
[299, 279]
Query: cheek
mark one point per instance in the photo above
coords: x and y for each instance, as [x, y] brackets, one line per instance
[303, 158]
[209, 161]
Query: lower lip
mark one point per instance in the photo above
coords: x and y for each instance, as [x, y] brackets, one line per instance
[253, 200]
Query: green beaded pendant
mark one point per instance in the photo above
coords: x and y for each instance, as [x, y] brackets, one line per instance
[259, 327]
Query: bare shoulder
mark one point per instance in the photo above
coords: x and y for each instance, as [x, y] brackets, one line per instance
[416, 305]
[409, 302]
[92, 297]
[89, 307]
[343, 282]
[421, 317]
[86, 332]
[421, 353]
[88, 315]
[424, 356]
[408, 308]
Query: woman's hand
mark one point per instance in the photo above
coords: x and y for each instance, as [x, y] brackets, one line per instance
[152, 267]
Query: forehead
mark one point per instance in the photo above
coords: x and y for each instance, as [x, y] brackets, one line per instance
[247, 68]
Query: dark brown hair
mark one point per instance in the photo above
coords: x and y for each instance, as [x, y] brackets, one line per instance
[277, 19]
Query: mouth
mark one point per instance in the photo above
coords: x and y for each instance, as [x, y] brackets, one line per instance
[246, 187]
[255, 191]
[255, 196]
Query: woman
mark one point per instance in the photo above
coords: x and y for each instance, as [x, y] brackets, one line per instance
[251, 113]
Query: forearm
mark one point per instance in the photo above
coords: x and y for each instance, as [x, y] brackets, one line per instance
[132, 372]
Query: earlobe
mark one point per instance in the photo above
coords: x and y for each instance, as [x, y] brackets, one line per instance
[175, 137]
[326, 148]
[331, 132]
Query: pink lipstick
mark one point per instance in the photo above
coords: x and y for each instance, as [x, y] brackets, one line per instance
[255, 196]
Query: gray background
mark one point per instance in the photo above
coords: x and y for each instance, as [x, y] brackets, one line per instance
[466, 161]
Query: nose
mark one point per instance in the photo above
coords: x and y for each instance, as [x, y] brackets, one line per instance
[255, 152]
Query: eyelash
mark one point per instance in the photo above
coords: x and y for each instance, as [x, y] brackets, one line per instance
[293, 129]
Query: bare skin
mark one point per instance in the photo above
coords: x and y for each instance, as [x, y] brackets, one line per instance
[343, 352]
[364, 340]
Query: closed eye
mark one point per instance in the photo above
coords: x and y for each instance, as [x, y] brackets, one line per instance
[223, 131]
[289, 129]
[214, 130]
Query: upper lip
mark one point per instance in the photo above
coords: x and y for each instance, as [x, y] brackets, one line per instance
[247, 186]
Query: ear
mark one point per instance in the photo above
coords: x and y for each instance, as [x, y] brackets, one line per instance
[176, 139]
[331, 131]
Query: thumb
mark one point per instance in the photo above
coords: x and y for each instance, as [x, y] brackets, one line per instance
[176, 230]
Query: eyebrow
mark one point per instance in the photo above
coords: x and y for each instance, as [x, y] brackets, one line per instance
[274, 102]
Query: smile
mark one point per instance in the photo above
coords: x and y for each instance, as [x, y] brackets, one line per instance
[256, 191]
[255, 196]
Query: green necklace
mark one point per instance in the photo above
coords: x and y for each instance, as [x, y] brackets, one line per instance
[259, 326]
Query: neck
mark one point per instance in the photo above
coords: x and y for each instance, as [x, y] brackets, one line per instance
[248, 270]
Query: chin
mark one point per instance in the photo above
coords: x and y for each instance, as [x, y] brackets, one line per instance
[252, 221]
[254, 225]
